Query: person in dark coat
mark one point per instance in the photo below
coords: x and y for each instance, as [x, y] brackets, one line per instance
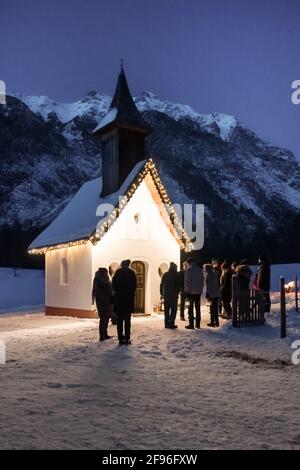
[243, 275]
[169, 290]
[124, 287]
[263, 276]
[217, 267]
[102, 293]
[183, 296]
[225, 287]
[212, 284]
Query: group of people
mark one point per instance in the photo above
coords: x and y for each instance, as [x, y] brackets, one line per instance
[115, 298]
[216, 279]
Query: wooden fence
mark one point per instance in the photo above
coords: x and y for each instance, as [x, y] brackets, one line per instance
[248, 306]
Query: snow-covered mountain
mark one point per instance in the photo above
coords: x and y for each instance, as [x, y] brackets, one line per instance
[94, 104]
[250, 188]
[221, 124]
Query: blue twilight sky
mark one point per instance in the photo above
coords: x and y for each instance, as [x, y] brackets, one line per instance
[233, 56]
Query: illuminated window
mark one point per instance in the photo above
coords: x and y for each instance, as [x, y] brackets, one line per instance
[64, 272]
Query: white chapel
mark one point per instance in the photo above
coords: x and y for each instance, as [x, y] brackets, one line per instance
[124, 214]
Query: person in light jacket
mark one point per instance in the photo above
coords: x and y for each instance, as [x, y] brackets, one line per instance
[193, 287]
[212, 284]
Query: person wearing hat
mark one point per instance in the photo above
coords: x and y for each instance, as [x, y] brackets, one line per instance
[124, 286]
[243, 275]
[169, 290]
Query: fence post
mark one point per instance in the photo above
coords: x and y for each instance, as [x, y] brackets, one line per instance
[296, 294]
[282, 308]
[234, 299]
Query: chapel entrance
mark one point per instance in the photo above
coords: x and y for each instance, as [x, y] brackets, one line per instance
[139, 300]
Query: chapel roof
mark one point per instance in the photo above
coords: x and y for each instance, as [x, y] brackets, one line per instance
[78, 223]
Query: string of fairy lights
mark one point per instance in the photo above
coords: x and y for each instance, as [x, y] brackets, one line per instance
[43, 250]
[149, 168]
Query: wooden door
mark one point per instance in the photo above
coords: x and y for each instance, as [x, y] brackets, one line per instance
[139, 301]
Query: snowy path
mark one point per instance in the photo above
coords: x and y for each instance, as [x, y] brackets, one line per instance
[219, 388]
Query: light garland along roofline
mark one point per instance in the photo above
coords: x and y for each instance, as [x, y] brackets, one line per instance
[149, 168]
[44, 249]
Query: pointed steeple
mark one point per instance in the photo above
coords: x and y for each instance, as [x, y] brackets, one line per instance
[122, 132]
[123, 111]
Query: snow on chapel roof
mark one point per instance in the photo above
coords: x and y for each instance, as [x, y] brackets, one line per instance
[108, 119]
[78, 222]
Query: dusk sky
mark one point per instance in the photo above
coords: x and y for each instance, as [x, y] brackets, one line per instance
[236, 56]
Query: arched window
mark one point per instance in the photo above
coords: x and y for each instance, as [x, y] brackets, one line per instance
[137, 218]
[64, 272]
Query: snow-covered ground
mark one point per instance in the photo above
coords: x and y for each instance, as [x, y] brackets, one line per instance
[171, 389]
[23, 292]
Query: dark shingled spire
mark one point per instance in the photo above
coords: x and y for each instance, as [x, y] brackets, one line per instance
[127, 115]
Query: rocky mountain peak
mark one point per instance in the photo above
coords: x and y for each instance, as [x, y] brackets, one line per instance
[250, 188]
